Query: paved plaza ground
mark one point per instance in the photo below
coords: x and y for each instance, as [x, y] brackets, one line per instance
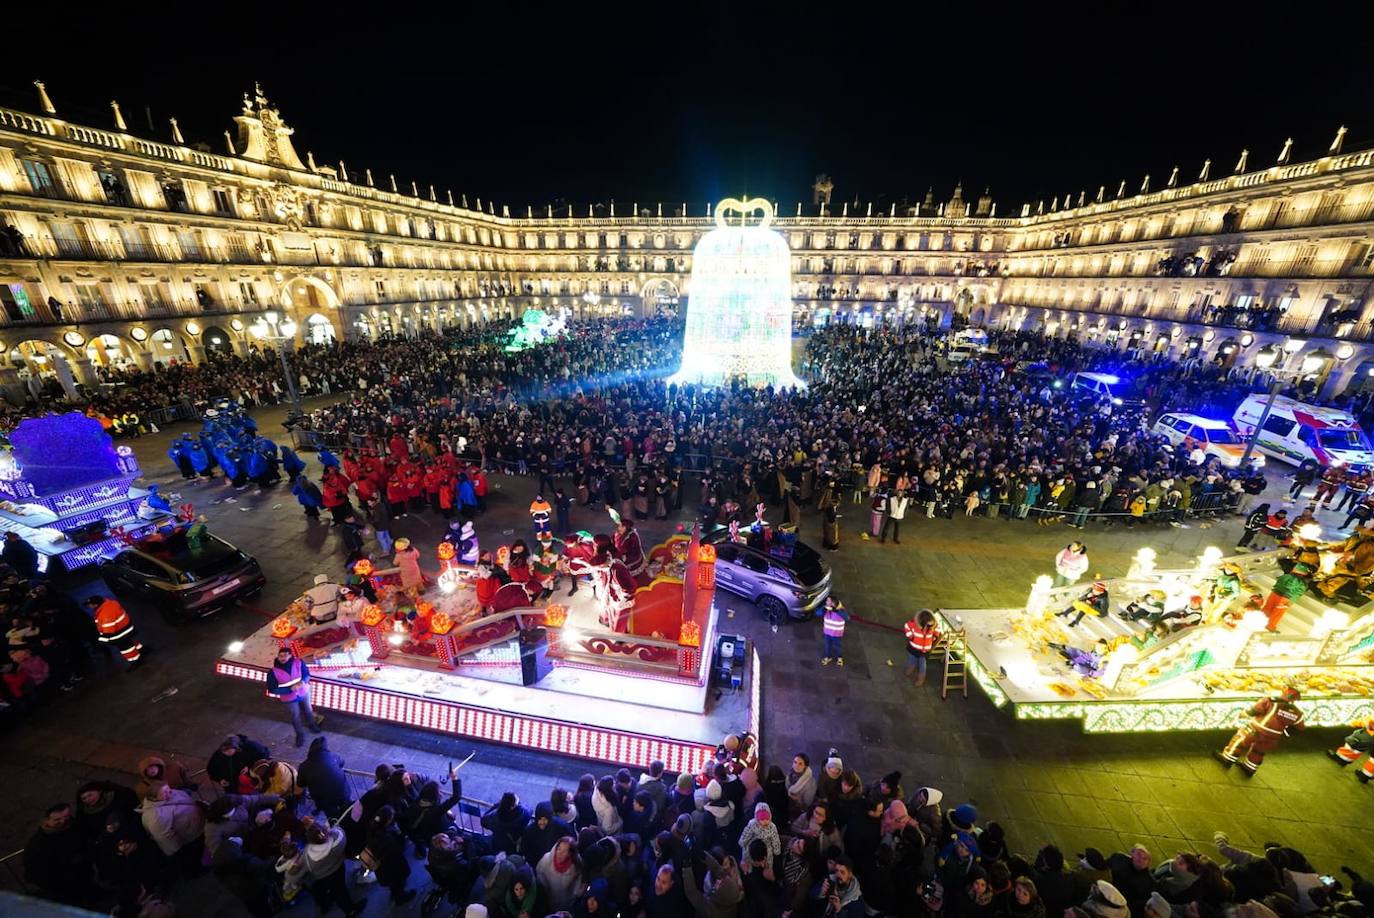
[1042, 781]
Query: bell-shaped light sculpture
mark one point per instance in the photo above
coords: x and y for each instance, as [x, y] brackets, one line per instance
[739, 305]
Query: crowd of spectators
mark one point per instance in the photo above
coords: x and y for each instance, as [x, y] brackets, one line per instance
[735, 840]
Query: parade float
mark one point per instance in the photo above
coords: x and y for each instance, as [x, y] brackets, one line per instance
[1187, 649]
[603, 674]
[67, 490]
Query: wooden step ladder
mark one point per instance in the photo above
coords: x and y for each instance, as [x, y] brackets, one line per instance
[956, 667]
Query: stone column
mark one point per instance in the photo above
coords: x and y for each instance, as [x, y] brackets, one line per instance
[85, 370]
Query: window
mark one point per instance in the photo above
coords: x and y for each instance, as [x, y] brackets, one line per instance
[1279, 427]
[1222, 436]
[1342, 438]
[16, 302]
[381, 290]
[248, 294]
[92, 303]
[753, 562]
[190, 245]
[40, 178]
[115, 192]
[223, 203]
[144, 567]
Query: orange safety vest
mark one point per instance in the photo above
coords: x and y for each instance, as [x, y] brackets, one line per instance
[112, 621]
[920, 639]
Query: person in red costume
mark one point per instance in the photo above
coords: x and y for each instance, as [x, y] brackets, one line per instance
[628, 547]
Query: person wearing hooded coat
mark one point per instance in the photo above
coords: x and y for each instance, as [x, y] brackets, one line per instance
[388, 848]
[924, 807]
[235, 755]
[231, 816]
[506, 821]
[96, 801]
[1051, 880]
[542, 833]
[595, 902]
[430, 815]
[322, 774]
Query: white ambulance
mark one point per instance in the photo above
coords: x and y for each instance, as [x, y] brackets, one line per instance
[1214, 438]
[1295, 431]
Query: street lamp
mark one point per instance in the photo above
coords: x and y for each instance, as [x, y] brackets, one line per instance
[270, 327]
[1312, 362]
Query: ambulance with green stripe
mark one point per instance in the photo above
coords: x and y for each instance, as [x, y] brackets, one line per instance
[1295, 431]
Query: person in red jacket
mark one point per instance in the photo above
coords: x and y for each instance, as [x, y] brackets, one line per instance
[398, 448]
[921, 635]
[351, 466]
[447, 495]
[396, 494]
[415, 487]
[479, 486]
[433, 482]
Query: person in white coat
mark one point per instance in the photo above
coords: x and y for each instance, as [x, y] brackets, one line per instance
[172, 818]
[607, 811]
[322, 600]
[896, 512]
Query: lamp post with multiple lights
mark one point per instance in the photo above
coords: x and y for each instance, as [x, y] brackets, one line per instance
[280, 332]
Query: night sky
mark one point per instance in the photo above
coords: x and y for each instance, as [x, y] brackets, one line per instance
[696, 102]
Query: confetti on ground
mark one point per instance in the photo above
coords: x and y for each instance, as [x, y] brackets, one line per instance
[276, 506]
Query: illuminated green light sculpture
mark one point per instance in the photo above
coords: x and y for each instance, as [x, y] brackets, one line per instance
[739, 308]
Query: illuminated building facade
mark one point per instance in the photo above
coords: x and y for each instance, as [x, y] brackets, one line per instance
[118, 249]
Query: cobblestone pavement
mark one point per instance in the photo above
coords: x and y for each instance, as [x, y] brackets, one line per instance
[1043, 781]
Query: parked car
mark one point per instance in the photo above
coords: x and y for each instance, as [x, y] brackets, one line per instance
[782, 587]
[1214, 438]
[184, 582]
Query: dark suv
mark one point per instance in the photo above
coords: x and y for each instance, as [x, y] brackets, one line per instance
[782, 585]
[181, 581]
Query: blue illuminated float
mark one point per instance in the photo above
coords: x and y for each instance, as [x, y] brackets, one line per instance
[65, 488]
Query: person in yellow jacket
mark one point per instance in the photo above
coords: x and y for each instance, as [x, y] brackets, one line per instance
[113, 624]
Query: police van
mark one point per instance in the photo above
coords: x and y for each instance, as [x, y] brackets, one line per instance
[1295, 431]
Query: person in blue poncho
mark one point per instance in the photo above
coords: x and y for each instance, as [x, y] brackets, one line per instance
[291, 463]
[181, 459]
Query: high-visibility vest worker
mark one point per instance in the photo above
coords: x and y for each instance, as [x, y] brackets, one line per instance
[114, 626]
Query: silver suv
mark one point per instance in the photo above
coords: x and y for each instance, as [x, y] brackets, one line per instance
[781, 585]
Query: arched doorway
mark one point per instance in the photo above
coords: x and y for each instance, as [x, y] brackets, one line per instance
[318, 329]
[309, 293]
[166, 346]
[976, 319]
[45, 368]
[108, 352]
[217, 340]
[661, 298]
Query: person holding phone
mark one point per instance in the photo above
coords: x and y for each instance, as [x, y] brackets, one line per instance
[839, 893]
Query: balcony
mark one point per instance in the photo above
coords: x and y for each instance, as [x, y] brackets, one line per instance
[149, 251]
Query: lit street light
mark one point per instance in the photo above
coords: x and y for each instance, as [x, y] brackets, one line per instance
[270, 327]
